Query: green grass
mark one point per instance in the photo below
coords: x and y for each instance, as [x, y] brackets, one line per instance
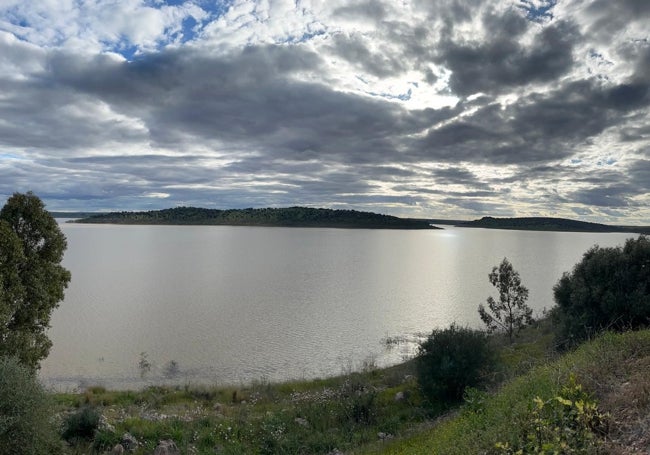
[293, 418]
[599, 365]
[357, 412]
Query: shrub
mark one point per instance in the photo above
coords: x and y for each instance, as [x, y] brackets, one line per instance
[510, 313]
[608, 289]
[452, 359]
[26, 425]
[81, 425]
[567, 423]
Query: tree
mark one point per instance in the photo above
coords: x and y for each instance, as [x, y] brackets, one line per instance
[452, 359]
[31, 277]
[510, 313]
[26, 413]
[608, 289]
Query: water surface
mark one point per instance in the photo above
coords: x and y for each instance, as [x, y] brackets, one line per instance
[237, 304]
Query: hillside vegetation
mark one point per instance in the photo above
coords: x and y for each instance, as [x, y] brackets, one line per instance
[286, 217]
[612, 370]
[549, 224]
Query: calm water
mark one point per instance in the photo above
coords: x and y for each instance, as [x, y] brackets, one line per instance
[237, 304]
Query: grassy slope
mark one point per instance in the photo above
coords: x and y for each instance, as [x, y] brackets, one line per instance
[615, 368]
[358, 414]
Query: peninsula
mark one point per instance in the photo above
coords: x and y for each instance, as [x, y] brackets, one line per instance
[549, 224]
[279, 217]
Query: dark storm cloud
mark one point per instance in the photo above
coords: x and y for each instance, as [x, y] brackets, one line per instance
[250, 100]
[639, 173]
[479, 206]
[458, 176]
[502, 62]
[541, 127]
[608, 196]
[354, 49]
[364, 10]
[36, 114]
[608, 17]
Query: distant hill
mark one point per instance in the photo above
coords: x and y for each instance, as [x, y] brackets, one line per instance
[549, 224]
[72, 214]
[286, 217]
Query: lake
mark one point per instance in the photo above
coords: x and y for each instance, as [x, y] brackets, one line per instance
[232, 305]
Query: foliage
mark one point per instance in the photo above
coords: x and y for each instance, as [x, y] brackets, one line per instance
[144, 365]
[450, 360]
[568, 423]
[171, 369]
[547, 224]
[608, 289]
[26, 425]
[31, 277]
[510, 313]
[290, 216]
[603, 366]
[81, 424]
[315, 417]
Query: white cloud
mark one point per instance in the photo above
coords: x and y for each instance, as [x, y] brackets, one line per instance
[418, 106]
[96, 25]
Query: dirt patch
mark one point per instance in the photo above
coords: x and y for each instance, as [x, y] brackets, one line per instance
[627, 400]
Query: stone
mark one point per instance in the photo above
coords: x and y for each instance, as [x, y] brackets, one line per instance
[129, 442]
[402, 396]
[166, 447]
[302, 422]
[104, 425]
[117, 450]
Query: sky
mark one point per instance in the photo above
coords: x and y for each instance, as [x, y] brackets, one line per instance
[424, 108]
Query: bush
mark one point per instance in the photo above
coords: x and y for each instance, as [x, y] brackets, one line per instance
[81, 425]
[451, 360]
[567, 423]
[608, 289]
[26, 425]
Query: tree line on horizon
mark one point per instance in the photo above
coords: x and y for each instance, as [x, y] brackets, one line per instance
[290, 216]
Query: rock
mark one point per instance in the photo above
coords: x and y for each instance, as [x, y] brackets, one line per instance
[402, 396]
[129, 442]
[335, 452]
[218, 408]
[166, 447]
[384, 436]
[104, 425]
[117, 450]
[302, 422]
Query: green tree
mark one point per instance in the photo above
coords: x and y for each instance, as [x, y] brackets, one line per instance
[608, 289]
[31, 275]
[450, 360]
[26, 424]
[510, 313]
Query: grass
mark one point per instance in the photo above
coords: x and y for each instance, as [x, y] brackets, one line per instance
[358, 413]
[317, 416]
[607, 366]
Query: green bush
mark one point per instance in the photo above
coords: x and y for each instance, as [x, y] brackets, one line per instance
[26, 425]
[608, 290]
[81, 425]
[567, 423]
[452, 359]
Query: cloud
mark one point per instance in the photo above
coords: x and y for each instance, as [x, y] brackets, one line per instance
[433, 108]
[503, 60]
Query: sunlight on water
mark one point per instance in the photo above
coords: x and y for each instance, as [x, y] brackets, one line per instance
[237, 304]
